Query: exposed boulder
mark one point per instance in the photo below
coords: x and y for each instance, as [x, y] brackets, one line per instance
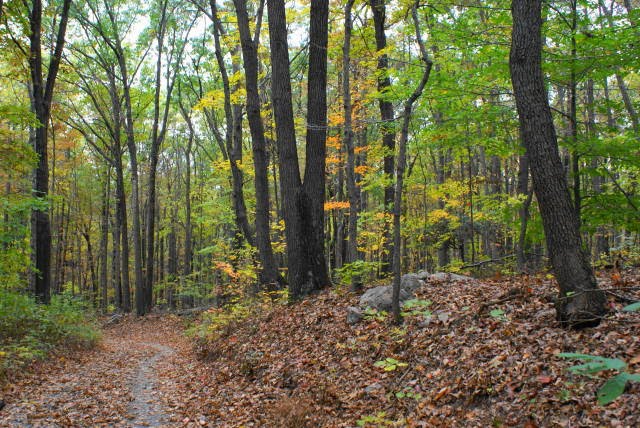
[411, 282]
[450, 277]
[423, 275]
[379, 298]
[354, 315]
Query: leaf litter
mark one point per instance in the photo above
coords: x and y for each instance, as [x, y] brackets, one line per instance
[302, 365]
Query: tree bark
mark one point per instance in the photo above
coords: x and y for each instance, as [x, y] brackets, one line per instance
[42, 96]
[388, 125]
[313, 187]
[352, 189]
[269, 276]
[580, 303]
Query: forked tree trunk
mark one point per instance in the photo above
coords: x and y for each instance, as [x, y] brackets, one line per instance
[580, 303]
[302, 205]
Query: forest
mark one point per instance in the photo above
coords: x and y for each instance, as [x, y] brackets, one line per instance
[319, 213]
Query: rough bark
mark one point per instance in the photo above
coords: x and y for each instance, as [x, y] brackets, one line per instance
[269, 276]
[42, 96]
[386, 116]
[313, 187]
[352, 189]
[580, 303]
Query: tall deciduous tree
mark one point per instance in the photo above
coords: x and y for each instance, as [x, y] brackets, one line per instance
[41, 97]
[580, 303]
[386, 116]
[302, 202]
[269, 272]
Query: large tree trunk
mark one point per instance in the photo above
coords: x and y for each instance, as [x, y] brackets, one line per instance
[42, 95]
[313, 188]
[580, 303]
[289, 170]
[388, 124]
[269, 270]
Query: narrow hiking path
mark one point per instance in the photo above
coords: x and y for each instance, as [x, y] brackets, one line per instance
[116, 384]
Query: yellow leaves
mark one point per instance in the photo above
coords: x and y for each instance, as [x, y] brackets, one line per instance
[333, 160]
[438, 215]
[334, 142]
[362, 169]
[212, 99]
[336, 205]
[227, 269]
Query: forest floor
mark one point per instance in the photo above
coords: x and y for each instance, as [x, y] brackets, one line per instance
[486, 357]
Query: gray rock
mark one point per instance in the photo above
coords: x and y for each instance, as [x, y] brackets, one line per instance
[423, 275]
[450, 277]
[411, 282]
[373, 389]
[354, 315]
[380, 297]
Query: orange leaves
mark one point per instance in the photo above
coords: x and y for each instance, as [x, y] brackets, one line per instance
[336, 205]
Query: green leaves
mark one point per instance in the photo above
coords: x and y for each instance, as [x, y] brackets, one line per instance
[389, 364]
[416, 307]
[594, 363]
[632, 307]
[614, 386]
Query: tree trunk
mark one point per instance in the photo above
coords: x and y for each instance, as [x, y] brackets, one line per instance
[580, 303]
[104, 240]
[400, 166]
[269, 270]
[388, 125]
[352, 188]
[42, 95]
[313, 187]
[233, 136]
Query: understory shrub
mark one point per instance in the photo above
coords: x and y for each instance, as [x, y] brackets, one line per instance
[29, 331]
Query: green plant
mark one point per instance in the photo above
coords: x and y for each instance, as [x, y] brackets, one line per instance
[28, 331]
[408, 393]
[357, 270]
[498, 314]
[632, 307]
[378, 420]
[373, 314]
[389, 364]
[416, 307]
[614, 386]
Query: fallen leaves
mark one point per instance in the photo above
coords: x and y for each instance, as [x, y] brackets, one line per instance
[303, 365]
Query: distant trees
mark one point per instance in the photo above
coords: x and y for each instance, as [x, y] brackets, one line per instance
[192, 203]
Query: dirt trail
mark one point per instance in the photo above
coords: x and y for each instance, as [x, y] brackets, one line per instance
[117, 384]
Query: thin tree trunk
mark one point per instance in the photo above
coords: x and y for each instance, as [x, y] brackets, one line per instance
[104, 240]
[400, 166]
[352, 188]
